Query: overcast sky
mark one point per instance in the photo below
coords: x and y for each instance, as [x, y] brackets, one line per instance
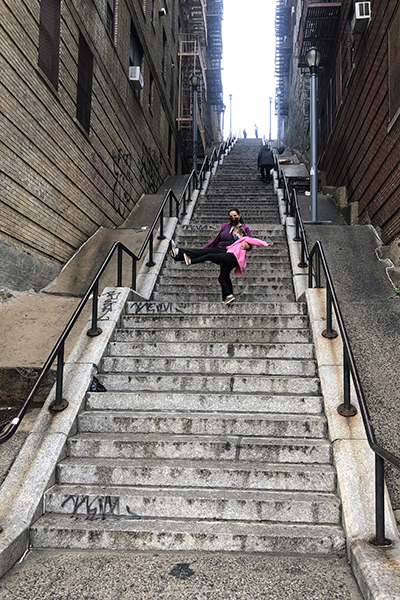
[248, 36]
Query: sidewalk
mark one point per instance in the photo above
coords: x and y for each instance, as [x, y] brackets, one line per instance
[55, 575]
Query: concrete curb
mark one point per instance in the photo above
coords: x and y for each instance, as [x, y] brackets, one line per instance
[377, 570]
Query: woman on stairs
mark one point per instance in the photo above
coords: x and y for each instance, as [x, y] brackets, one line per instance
[219, 244]
[233, 258]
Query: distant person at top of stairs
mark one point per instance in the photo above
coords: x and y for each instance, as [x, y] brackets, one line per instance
[256, 131]
[265, 163]
[219, 243]
[233, 258]
[244, 133]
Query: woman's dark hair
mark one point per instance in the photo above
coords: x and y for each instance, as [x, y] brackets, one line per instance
[239, 213]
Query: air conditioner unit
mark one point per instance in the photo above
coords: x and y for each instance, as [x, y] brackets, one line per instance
[362, 17]
[136, 77]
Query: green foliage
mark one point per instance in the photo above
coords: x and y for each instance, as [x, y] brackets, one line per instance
[397, 289]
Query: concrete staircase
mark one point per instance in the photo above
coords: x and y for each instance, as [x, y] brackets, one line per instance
[211, 434]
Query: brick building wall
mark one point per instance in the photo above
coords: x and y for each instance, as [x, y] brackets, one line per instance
[361, 146]
[58, 182]
[358, 137]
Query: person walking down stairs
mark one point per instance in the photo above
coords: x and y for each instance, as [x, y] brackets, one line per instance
[233, 258]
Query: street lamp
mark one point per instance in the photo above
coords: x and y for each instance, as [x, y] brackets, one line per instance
[270, 113]
[230, 115]
[195, 83]
[313, 57]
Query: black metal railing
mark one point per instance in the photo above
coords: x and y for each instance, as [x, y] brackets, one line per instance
[346, 409]
[58, 351]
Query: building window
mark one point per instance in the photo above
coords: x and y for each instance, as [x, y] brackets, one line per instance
[111, 19]
[135, 49]
[164, 52]
[135, 53]
[85, 75]
[394, 66]
[49, 39]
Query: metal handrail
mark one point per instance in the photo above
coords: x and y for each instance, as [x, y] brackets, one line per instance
[59, 403]
[349, 368]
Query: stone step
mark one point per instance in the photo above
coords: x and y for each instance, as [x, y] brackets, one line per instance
[207, 366]
[211, 474]
[212, 288]
[203, 275]
[256, 216]
[214, 383]
[215, 296]
[254, 267]
[180, 424]
[127, 445]
[196, 228]
[232, 402]
[231, 336]
[194, 503]
[216, 308]
[211, 350]
[154, 320]
[58, 531]
[199, 239]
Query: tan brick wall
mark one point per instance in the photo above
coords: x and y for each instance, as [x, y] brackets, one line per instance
[58, 184]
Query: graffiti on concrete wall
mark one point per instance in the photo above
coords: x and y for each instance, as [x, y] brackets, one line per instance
[150, 165]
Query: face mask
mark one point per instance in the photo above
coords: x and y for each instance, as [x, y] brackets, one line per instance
[235, 237]
[234, 220]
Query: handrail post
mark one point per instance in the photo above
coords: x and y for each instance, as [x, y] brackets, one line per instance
[134, 273]
[329, 332]
[297, 237]
[379, 539]
[151, 262]
[94, 330]
[119, 267]
[346, 409]
[302, 264]
[292, 204]
[161, 236]
[59, 403]
[318, 271]
[285, 193]
[310, 270]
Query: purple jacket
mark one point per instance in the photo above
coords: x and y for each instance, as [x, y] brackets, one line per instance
[215, 241]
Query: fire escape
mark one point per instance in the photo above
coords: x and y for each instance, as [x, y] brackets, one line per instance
[317, 28]
[200, 52]
[283, 50]
[214, 55]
